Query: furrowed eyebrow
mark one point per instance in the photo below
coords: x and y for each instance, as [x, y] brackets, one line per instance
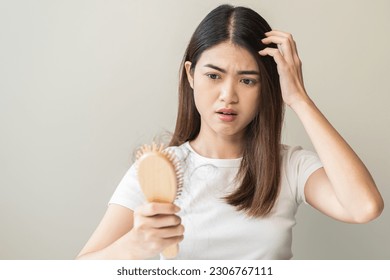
[215, 67]
[248, 72]
[243, 72]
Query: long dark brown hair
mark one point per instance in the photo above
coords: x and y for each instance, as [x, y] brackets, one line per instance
[259, 174]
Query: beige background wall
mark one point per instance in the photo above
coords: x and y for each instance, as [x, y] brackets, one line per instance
[82, 83]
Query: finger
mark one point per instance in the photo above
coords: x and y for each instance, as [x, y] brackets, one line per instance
[284, 46]
[275, 32]
[289, 37]
[161, 221]
[286, 35]
[166, 242]
[293, 47]
[275, 53]
[170, 232]
[156, 208]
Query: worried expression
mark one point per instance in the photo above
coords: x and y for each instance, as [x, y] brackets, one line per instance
[226, 85]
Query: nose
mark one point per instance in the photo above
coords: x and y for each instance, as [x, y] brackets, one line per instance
[228, 93]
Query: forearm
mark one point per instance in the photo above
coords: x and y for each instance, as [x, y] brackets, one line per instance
[103, 254]
[113, 251]
[352, 183]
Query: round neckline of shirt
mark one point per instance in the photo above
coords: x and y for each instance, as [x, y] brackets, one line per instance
[234, 162]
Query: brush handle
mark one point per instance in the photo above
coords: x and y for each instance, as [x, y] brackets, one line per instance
[171, 251]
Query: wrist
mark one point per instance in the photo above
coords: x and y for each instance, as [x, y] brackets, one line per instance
[301, 103]
[124, 247]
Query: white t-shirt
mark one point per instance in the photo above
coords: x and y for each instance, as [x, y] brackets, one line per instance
[215, 229]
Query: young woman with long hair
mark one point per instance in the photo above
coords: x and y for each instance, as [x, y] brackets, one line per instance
[242, 187]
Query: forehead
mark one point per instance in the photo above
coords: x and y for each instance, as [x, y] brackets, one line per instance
[227, 55]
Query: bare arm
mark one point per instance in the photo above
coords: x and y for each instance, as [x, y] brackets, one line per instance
[117, 221]
[344, 188]
[124, 234]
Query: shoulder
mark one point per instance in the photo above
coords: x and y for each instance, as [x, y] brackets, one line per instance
[297, 164]
[293, 155]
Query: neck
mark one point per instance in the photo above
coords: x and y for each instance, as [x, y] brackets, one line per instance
[219, 147]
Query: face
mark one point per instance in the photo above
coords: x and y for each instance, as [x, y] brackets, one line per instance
[226, 86]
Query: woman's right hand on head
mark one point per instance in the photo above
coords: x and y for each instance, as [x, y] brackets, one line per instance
[156, 226]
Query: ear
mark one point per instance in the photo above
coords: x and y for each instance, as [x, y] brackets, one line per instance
[190, 76]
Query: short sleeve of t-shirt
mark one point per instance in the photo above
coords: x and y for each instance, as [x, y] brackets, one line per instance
[128, 193]
[300, 165]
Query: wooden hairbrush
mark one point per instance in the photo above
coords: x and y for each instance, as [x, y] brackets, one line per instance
[160, 176]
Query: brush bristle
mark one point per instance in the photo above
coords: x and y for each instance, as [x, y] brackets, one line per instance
[168, 154]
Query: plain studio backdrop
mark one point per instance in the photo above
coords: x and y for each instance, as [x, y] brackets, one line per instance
[84, 83]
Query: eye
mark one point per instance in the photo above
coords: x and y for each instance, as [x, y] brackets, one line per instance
[248, 81]
[213, 76]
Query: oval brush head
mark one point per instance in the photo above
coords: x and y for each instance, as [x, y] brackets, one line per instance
[160, 177]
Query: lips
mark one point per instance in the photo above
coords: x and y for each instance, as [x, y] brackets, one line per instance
[226, 115]
[226, 111]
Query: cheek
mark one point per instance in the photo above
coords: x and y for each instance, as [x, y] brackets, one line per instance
[204, 95]
[199, 99]
[202, 85]
[202, 101]
[252, 101]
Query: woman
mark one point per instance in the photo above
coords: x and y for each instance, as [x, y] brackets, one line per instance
[241, 186]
